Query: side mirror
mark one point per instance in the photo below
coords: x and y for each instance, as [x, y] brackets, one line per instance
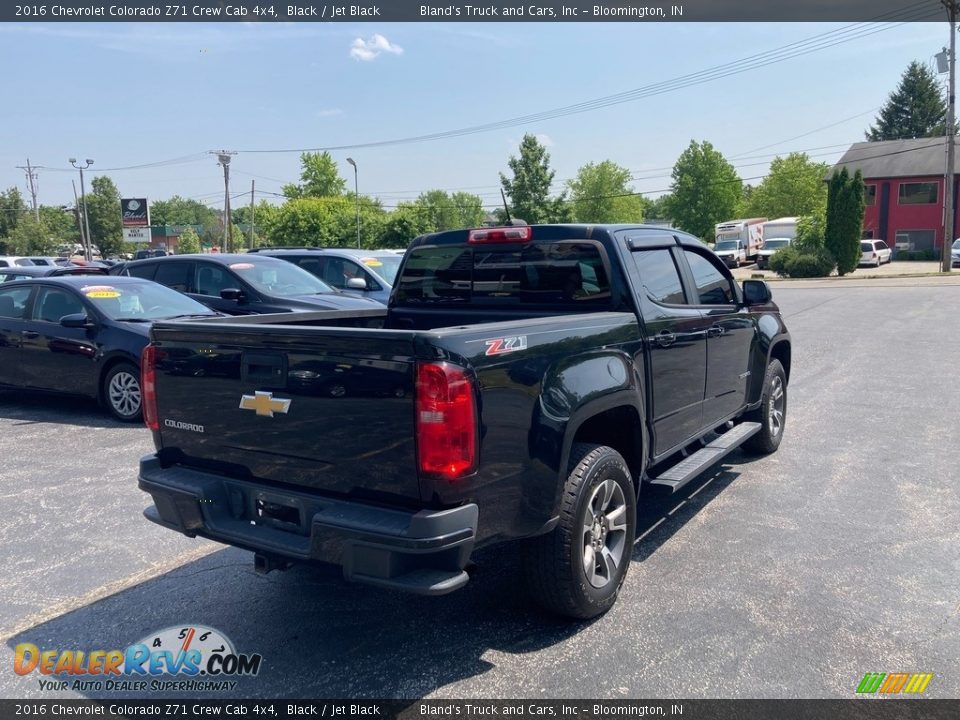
[356, 283]
[756, 292]
[77, 320]
[232, 294]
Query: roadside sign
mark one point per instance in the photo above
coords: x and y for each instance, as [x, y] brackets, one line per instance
[137, 235]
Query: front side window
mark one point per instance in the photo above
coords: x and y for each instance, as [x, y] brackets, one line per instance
[210, 279]
[659, 276]
[918, 193]
[53, 303]
[713, 287]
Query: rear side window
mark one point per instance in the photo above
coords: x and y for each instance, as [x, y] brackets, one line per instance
[563, 274]
[13, 301]
[142, 271]
[659, 275]
[174, 275]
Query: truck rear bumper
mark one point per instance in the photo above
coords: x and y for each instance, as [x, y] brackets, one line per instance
[423, 552]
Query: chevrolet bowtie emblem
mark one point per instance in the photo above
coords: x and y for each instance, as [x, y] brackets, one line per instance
[264, 403]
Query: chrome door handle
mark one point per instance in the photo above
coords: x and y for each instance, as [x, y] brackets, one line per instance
[665, 338]
[30, 334]
[714, 331]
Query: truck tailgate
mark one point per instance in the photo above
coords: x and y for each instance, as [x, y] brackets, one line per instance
[328, 409]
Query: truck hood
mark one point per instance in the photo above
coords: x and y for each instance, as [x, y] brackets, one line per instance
[333, 301]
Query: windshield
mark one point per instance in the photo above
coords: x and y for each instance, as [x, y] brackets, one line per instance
[140, 301]
[280, 278]
[956, 244]
[773, 244]
[866, 247]
[727, 245]
[385, 267]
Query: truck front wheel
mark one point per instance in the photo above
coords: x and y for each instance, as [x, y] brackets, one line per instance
[772, 413]
[577, 569]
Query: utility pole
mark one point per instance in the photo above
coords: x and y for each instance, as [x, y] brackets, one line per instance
[31, 180]
[88, 249]
[253, 185]
[948, 226]
[223, 159]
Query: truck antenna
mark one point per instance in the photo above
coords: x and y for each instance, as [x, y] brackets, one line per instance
[506, 208]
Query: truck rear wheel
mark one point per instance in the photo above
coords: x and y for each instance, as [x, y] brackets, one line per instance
[577, 569]
[772, 413]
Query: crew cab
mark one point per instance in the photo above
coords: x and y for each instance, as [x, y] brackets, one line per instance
[524, 384]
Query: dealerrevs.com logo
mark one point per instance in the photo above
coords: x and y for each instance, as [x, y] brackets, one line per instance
[203, 655]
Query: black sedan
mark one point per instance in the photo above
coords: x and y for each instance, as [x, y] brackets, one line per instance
[244, 284]
[84, 335]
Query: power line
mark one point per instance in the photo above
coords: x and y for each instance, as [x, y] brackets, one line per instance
[815, 43]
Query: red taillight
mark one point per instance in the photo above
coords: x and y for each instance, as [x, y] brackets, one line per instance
[501, 235]
[148, 387]
[446, 421]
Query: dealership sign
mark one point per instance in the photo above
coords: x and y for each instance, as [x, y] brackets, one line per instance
[135, 212]
[137, 235]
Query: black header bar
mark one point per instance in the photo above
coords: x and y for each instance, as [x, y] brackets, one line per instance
[188, 709]
[631, 11]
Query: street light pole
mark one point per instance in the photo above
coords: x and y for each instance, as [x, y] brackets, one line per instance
[356, 192]
[87, 251]
[948, 226]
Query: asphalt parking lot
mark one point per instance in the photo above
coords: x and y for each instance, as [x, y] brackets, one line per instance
[786, 576]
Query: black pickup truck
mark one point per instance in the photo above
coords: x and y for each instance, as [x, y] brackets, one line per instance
[523, 384]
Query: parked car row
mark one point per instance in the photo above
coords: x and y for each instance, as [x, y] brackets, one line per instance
[83, 335]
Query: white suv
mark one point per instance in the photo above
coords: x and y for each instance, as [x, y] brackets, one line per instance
[14, 261]
[875, 252]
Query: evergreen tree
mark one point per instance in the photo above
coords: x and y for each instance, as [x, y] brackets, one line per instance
[916, 109]
[529, 189]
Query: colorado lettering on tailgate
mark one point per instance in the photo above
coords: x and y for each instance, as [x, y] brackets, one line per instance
[501, 346]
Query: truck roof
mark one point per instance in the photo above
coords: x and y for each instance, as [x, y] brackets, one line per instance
[559, 231]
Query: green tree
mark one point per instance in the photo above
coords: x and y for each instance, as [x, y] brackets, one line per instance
[705, 190]
[403, 225]
[844, 219]
[319, 177]
[189, 242]
[440, 211]
[264, 214]
[328, 222]
[793, 187]
[529, 189]
[811, 231]
[658, 209]
[103, 210]
[11, 210]
[600, 194]
[182, 211]
[916, 109]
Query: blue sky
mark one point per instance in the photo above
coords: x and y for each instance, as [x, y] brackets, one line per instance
[130, 94]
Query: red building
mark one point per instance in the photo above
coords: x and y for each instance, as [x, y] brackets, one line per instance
[904, 182]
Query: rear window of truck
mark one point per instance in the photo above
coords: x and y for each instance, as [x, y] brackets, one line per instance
[562, 274]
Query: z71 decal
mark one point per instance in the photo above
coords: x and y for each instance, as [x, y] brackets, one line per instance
[500, 346]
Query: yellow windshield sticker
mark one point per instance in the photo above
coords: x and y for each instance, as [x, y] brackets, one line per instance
[97, 294]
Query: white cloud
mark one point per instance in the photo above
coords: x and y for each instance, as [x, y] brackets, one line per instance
[329, 112]
[370, 49]
[544, 139]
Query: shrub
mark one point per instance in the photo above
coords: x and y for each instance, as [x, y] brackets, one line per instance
[791, 262]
